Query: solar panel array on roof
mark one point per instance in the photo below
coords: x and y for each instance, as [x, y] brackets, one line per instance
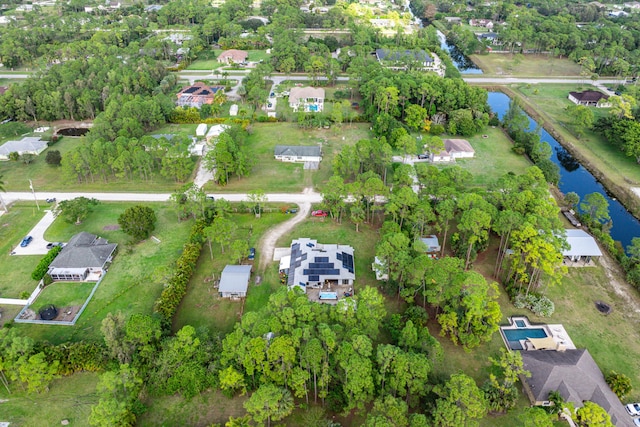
[205, 92]
[347, 261]
[321, 271]
[339, 256]
[321, 259]
[314, 278]
[191, 89]
[320, 265]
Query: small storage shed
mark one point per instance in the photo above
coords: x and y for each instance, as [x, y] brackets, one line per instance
[234, 281]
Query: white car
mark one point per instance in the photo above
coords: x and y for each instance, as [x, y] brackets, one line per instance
[636, 421]
[633, 409]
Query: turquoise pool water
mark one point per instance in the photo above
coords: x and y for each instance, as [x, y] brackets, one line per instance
[520, 323]
[520, 334]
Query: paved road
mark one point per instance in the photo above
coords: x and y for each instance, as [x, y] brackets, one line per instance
[308, 196]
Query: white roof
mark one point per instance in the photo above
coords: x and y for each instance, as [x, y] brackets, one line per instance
[285, 261]
[216, 130]
[233, 110]
[297, 93]
[581, 244]
[235, 278]
[201, 130]
[25, 145]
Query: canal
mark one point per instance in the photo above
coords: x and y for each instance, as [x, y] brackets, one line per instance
[574, 177]
[462, 62]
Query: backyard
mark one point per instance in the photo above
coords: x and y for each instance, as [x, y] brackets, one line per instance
[207, 60]
[63, 294]
[525, 65]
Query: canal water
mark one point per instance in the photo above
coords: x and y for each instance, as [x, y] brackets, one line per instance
[462, 62]
[574, 177]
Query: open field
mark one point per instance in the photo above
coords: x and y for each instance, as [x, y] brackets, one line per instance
[68, 398]
[63, 294]
[16, 272]
[202, 306]
[271, 175]
[136, 277]
[529, 66]
[550, 101]
[207, 60]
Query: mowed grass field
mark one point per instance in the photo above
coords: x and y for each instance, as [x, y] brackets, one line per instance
[63, 294]
[136, 277]
[208, 61]
[550, 101]
[274, 176]
[526, 66]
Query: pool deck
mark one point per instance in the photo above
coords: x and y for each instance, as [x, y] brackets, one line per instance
[555, 331]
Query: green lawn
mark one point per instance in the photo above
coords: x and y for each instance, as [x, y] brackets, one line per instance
[550, 102]
[530, 65]
[68, 398]
[208, 61]
[136, 277]
[63, 294]
[271, 175]
[16, 273]
[202, 306]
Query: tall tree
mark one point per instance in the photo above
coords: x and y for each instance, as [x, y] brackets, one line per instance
[269, 402]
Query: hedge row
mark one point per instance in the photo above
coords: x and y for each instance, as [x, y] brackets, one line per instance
[43, 266]
[76, 357]
[176, 288]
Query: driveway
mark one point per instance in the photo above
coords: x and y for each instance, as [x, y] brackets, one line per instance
[38, 245]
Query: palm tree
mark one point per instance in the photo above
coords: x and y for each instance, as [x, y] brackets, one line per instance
[2, 190]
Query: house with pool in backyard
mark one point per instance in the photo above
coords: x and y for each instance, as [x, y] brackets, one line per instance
[555, 364]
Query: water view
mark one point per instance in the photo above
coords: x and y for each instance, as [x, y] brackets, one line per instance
[462, 62]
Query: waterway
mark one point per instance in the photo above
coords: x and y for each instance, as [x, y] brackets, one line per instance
[461, 62]
[574, 177]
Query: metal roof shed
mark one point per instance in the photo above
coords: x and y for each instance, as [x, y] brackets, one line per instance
[581, 244]
[234, 281]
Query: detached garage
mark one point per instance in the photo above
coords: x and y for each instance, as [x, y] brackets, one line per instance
[234, 281]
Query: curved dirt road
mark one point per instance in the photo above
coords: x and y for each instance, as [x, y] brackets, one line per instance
[268, 243]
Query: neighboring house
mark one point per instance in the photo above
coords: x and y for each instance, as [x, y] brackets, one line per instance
[488, 37]
[453, 19]
[484, 23]
[582, 246]
[234, 281]
[179, 38]
[6, 19]
[382, 23]
[85, 258]
[617, 14]
[215, 131]
[453, 149]
[432, 244]
[25, 8]
[590, 98]
[201, 130]
[298, 153]
[576, 376]
[416, 58]
[153, 8]
[233, 56]
[27, 145]
[197, 95]
[308, 99]
[314, 264]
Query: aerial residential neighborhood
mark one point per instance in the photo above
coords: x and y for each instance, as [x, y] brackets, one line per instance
[330, 213]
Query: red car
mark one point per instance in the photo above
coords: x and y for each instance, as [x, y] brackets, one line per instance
[318, 213]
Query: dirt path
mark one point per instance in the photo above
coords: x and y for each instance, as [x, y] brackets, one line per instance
[615, 274]
[268, 243]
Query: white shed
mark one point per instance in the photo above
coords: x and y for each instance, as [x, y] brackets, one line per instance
[215, 131]
[233, 110]
[201, 130]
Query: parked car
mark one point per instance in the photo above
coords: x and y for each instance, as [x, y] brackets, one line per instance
[213, 199]
[292, 210]
[51, 200]
[25, 242]
[252, 254]
[423, 156]
[52, 245]
[318, 213]
[633, 408]
[636, 421]
[269, 105]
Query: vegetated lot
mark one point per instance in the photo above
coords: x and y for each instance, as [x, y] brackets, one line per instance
[136, 277]
[68, 398]
[494, 157]
[272, 175]
[63, 294]
[172, 128]
[526, 65]
[202, 306]
[550, 101]
[207, 60]
[16, 270]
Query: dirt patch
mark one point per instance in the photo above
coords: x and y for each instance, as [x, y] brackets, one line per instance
[67, 314]
[623, 289]
[111, 227]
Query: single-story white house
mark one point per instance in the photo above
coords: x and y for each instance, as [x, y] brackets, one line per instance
[582, 246]
[201, 130]
[27, 145]
[308, 99]
[85, 257]
[454, 149]
[215, 131]
[590, 98]
[298, 153]
[234, 281]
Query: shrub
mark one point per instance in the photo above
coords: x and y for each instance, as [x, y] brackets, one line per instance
[538, 304]
[42, 267]
[53, 158]
[620, 384]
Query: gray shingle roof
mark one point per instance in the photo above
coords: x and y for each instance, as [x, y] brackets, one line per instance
[576, 376]
[27, 144]
[84, 250]
[297, 150]
[235, 278]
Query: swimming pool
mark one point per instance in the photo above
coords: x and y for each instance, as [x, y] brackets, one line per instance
[520, 323]
[513, 336]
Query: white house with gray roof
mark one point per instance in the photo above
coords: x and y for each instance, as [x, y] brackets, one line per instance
[27, 145]
[313, 264]
[85, 257]
[234, 281]
[308, 99]
[298, 153]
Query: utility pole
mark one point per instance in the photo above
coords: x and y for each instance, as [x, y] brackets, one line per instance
[34, 194]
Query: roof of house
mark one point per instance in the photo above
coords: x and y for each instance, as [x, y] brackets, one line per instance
[84, 250]
[298, 150]
[26, 144]
[314, 262]
[235, 278]
[458, 145]
[298, 93]
[491, 36]
[581, 244]
[402, 55]
[200, 89]
[589, 96]
[216, 130]
[431, 242]
[234, 54]
[576, 376]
